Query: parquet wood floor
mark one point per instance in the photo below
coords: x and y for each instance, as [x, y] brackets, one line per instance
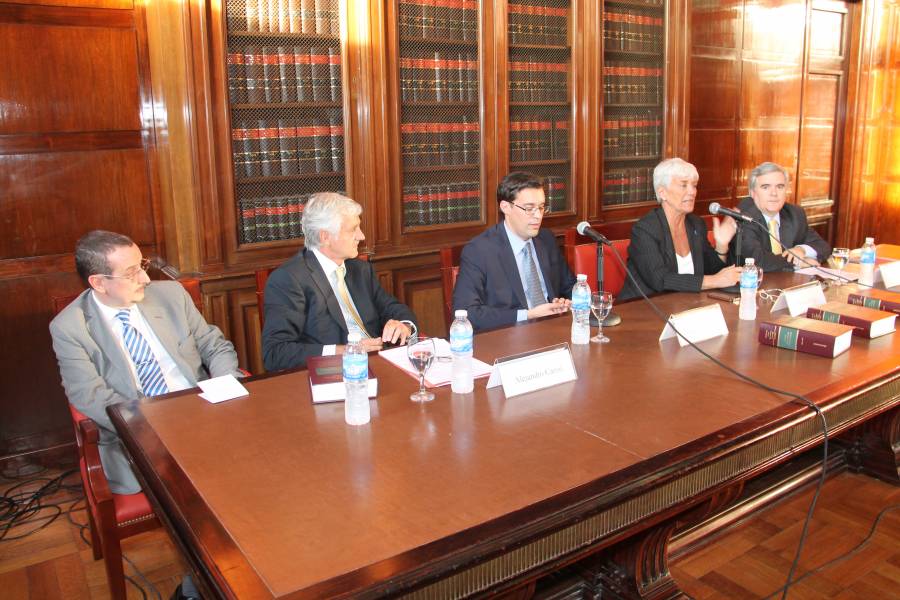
[750, 560]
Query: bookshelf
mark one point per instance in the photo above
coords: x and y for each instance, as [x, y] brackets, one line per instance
[439, 113]
[285, 92]
[539, 95]
[633, 87]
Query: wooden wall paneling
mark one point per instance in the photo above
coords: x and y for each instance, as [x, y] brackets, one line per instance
[376, 161]
[678, 77]
[230, 305]
[871, 159]
[77, 152]
[420, 289]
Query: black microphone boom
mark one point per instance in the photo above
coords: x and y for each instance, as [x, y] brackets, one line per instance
[716, 209]
[584, 228]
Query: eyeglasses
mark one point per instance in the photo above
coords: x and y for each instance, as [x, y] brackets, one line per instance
[532, 211]
[132, 273]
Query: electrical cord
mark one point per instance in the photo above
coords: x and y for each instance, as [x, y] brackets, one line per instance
[852, 552]
[747, 378]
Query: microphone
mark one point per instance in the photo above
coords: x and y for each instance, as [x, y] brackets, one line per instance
[584, 228]
[716, 209]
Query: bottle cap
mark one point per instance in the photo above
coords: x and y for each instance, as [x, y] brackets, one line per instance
[581, 277]
[749, 262]
[354, 337]
[870, 240]
[461, 313]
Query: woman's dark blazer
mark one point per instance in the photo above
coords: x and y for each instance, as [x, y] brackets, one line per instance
[651, 256]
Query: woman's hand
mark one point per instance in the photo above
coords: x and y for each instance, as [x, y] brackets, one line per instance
[723, 231]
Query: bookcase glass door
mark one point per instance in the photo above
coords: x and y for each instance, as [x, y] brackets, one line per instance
[539, 91]
[440, 128]
[633, 99]
[286, 103]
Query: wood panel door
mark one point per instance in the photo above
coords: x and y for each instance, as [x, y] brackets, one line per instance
[76, 153]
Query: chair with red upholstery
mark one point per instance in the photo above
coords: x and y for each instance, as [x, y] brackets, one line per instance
[449, 271]
[581, 254]
[111, 517]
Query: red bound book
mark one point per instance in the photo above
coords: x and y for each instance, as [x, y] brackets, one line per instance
[287, 74]
[306, 149]
[271, 74]
[336, 135]
[410, 207]
[270, 150]
[322, 144]
[239, 136]
[821, 338]
[287, 145]
[407, 144]
[237, 82]
[867, 322]
[303, 74]
[334, 73]
[877, 299]
[321, 89]
[253, 73]
[561, 139]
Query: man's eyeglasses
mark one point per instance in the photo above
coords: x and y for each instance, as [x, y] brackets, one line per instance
[132, 273]
[532, 211]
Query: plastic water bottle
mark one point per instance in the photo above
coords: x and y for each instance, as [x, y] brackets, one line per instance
[867, 263]
[749, 284]
[461, 335]
[581, 311]
[356, 382]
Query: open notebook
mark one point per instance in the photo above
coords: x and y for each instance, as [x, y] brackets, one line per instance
[441, 369]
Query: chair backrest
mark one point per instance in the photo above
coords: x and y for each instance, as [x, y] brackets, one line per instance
[449, 271]
[582, 258]
[262, 276]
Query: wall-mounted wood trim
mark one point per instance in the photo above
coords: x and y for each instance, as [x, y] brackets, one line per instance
[69, 16]
[76, 141]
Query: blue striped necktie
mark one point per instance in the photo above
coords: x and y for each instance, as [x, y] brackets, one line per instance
[149, 372]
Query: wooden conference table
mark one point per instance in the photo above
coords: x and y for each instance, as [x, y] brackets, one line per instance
[272, 497]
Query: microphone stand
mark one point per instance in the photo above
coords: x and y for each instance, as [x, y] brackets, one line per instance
[612, 319]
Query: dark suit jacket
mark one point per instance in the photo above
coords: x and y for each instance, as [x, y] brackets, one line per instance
[95, 370]
[489, 286]
[651, 256]
[303, 314]
[792, 231]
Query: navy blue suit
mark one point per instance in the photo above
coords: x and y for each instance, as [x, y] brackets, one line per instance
[488, 284]
[303, 314]
[793, 230]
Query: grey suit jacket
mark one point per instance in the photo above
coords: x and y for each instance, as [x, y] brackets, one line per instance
[792, 231]
[96, 373]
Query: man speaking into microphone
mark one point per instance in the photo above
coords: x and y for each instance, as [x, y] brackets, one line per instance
[669, 250]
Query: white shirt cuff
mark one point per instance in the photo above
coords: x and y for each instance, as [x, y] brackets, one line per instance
[522, 315]
[810, 251]
[329, 350]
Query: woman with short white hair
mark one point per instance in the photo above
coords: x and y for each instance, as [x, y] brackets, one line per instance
[669, 249]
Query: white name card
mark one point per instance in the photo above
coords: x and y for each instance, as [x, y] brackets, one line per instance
[532, 371]
[890, 273]
[800, 297]
[220, 389]
[696, 324]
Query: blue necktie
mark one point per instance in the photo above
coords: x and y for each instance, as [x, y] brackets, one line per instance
[149, 373]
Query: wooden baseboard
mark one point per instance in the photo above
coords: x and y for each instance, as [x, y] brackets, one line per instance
[60, 456]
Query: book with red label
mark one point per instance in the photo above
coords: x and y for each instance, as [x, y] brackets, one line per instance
[866, 322]
[821, 338]
[326, 379]
[877, 299]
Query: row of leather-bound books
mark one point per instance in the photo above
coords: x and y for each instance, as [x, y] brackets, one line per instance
[435, 204]
[318, 17]
[450, 142]
[632, 135]
[538, 139]
[278, 74]
[270, 219]
[628, 31]
[534, 81]
[627, 185]
[627, 83]
[438, 76]
[539, 24]
[555, 193]
[265, 148]
[438, 19]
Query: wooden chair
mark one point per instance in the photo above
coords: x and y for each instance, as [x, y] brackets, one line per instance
[449, 271]
[262, 276]
[111, 517]
[581, 254]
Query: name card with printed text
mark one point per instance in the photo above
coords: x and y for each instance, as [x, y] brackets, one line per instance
[890, 273]
[800, 297]
[696, 324]
[532, 371]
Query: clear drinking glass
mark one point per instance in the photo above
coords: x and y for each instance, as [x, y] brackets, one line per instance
[601, 304]
[420, 351]
[839, 258]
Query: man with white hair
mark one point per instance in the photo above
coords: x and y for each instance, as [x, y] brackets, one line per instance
[792, 242]
[324, 292]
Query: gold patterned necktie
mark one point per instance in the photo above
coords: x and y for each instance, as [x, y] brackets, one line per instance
[773, 231]
[345, 298]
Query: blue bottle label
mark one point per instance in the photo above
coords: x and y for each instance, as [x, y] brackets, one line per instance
[868, 255]
[749, 279]
[460, 341]
[581, 298]
[356, 367]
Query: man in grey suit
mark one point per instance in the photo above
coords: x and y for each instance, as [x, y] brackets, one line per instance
[795, 244]
[321, 294]
[123, 339]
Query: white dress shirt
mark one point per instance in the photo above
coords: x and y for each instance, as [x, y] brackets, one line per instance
[175, 379]
[685, 264]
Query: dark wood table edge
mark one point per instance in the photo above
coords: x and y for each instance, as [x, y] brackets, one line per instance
[418, 568]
